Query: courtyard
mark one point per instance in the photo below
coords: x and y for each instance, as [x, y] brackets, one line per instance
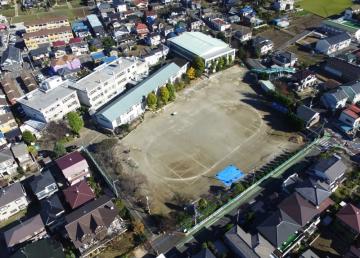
[218, 122]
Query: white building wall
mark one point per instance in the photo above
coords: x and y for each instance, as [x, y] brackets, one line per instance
[13, 208]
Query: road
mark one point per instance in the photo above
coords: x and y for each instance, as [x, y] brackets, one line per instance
[164, 243]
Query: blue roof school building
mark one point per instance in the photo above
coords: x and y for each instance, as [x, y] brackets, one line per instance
[196, 44]
[132, 103]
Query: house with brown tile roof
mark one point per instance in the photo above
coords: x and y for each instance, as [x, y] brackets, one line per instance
[74, 167]
[78, 194]
[29, 230]
[11, 90]
[93, 225]
[349, 216]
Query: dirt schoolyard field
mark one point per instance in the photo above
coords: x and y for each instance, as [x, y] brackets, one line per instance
[219, 122]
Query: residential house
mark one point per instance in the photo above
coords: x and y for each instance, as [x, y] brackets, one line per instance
[193, 25]
[246, 11]
[315, 191]
[34, 39]
[247, 245]
[242, 33]
[95, 25]
[80, 29]
[153, 56]
[92, 225]
[278, 227]
[47, 23]
[303, 79]
[69, 62]
[219, 24]
[78, 47]
[204, 253]
[108, 81]
[30, 230]
[74, 167]
[284, 58]
[22, 156]
[4, 106]
[51, 101]
[12, 200]
[234, 19]
[350, 116]
[52, 211]
[349, 217]
[330, 170]
[12, 91]
[8, 164]
[341, 70]
[28, 81]
[11, 59]
[78, 194]
[262, 45]
[131, 105]
[351, 11]
[153, 39]
[340, 25]
[33, 126]
[58, 48]
[308, 115]
[7, 122]
[352, 91]
[40, 54]
[266, 86]
[47, 247]
[281, 22]
[98, 57]
[334, 100]
[43, 185]
[334, 43]
[141, 29]
[284, 5]
[119, 5]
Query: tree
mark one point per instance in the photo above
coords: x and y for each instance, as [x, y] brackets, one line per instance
[202, 204]
[32, 150]
[199, 66]
[108, 43]
[221, 36]
[230, 60]
[93, 48]
[151, 100]
[138, 227]
[179, 85]
[225, 61]
[213, 66]
[164, 95]
[171, 89]
[75, 122]
[59, 149]
[220, 64]
[191, 73]
[28, 137]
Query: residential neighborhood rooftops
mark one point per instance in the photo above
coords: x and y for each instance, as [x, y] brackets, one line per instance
[40, 182]
[350, 215]
[332, 167]
[22, 231]
[51, 209]
[314, 191]
[78, 194]
[44, 20]
[11, 193]
[200, 44]
[47, 32]
[19, 149]
[338, 38]
[132, 97]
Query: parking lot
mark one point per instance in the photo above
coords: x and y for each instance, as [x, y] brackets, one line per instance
[219, 121]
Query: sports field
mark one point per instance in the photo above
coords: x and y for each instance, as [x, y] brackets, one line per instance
[219, 121]
[325, 8]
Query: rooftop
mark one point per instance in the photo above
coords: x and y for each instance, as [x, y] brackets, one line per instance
[350, 215]
[44, 20]
[103, 73]
[11, 193]
[46, 32]
[69, 160]
[39, 99]
[200, 44]
[78, 194]
[39, 182]
[94, 20]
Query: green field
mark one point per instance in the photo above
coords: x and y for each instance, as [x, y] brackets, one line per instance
[325, 8]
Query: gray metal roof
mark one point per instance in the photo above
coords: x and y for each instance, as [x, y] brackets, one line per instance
[19, 149]
[278, 228]
[11, 53]
[11, 193]
[38, 183]
[332, 168]
[137, 94]
[51, 209]
[338, 38]
[305, 113]
[313, 191]
[6, 155]
[236, 237]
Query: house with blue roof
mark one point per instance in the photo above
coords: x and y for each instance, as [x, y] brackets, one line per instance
[132, 104]
[80, 29]
[98, 57]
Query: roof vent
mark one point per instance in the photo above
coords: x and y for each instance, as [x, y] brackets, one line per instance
[112, 207]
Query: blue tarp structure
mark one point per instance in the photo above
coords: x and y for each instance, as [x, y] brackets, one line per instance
[229, 175]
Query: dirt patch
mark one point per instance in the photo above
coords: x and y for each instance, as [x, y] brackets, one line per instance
[220, 121]
[278, 37]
